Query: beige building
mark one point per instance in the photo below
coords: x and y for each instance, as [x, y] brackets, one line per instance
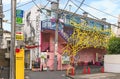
[6, 40]
[116, 28]
[5, 48]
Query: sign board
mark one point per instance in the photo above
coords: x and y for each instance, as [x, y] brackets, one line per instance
[19, 36]
[19, 20]
[43, 55]
[65, 59]
[19, 13]
[7, 55]
[20, 64]
[19, 16]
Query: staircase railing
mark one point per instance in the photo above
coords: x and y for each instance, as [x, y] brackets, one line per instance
[48, 24]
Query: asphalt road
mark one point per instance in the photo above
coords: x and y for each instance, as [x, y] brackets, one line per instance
[46, 75]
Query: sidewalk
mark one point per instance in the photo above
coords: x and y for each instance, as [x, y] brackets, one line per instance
[97, 76]
[95, 73]
[4, 73]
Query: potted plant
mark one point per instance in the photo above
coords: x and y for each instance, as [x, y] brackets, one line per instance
[112, 59]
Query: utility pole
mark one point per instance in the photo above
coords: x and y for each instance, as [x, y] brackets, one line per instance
[1, 19]
[54, 8]
[12, 50]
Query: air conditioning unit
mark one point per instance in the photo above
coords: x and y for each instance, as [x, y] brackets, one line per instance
[7, 55]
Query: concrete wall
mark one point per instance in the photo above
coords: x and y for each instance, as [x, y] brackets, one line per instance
[112, 63]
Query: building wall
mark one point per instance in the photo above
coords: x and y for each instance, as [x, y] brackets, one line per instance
[89, 54]
[4, 60]
[115, 30]
[30, 20]
[31, 35]
[50, 62]
[32, 31]
[6, 37]
[85, 55]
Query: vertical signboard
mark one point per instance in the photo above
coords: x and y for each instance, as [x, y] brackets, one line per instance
[19, 16]
[19, 36]
[19, 63]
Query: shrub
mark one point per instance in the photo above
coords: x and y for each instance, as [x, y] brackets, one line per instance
[114, 45]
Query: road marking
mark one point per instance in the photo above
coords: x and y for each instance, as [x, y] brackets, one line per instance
[63, 75]
[96, 76]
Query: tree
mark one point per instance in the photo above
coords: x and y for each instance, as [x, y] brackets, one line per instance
[114, 45]
[85, 37]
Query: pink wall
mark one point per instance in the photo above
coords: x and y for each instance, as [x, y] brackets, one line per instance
[89, 54]
[86, 55]
[45, 41]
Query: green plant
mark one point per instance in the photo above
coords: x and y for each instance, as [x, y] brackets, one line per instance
[114, 45]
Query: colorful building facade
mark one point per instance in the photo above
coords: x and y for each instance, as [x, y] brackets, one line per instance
[66, 29]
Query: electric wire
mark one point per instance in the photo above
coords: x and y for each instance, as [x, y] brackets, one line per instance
[19, 6]
[24, 5]
[98, 9]
[84, 10]
[18, 2]
[65, 5]
[91, 14]
[78, 7]
[46, 4]
[62, 13]
[38, 7]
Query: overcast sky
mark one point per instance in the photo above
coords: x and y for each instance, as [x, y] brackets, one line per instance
[109, 9]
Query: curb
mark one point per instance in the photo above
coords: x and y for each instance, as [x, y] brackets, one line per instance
[69, 76]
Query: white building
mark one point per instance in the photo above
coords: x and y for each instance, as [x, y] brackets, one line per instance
[116, 28]
[5, 44]
[32, 29]
[6, 39]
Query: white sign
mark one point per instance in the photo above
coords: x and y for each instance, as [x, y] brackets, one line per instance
[65, 59]
[43, 55]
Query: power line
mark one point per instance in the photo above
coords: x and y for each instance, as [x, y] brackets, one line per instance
[19, 2]
[90, 14]
[46, 4]
[19, 6]
[84, 10]
[65, 7]
[97, 9]
[78, 7]
[38, 7]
